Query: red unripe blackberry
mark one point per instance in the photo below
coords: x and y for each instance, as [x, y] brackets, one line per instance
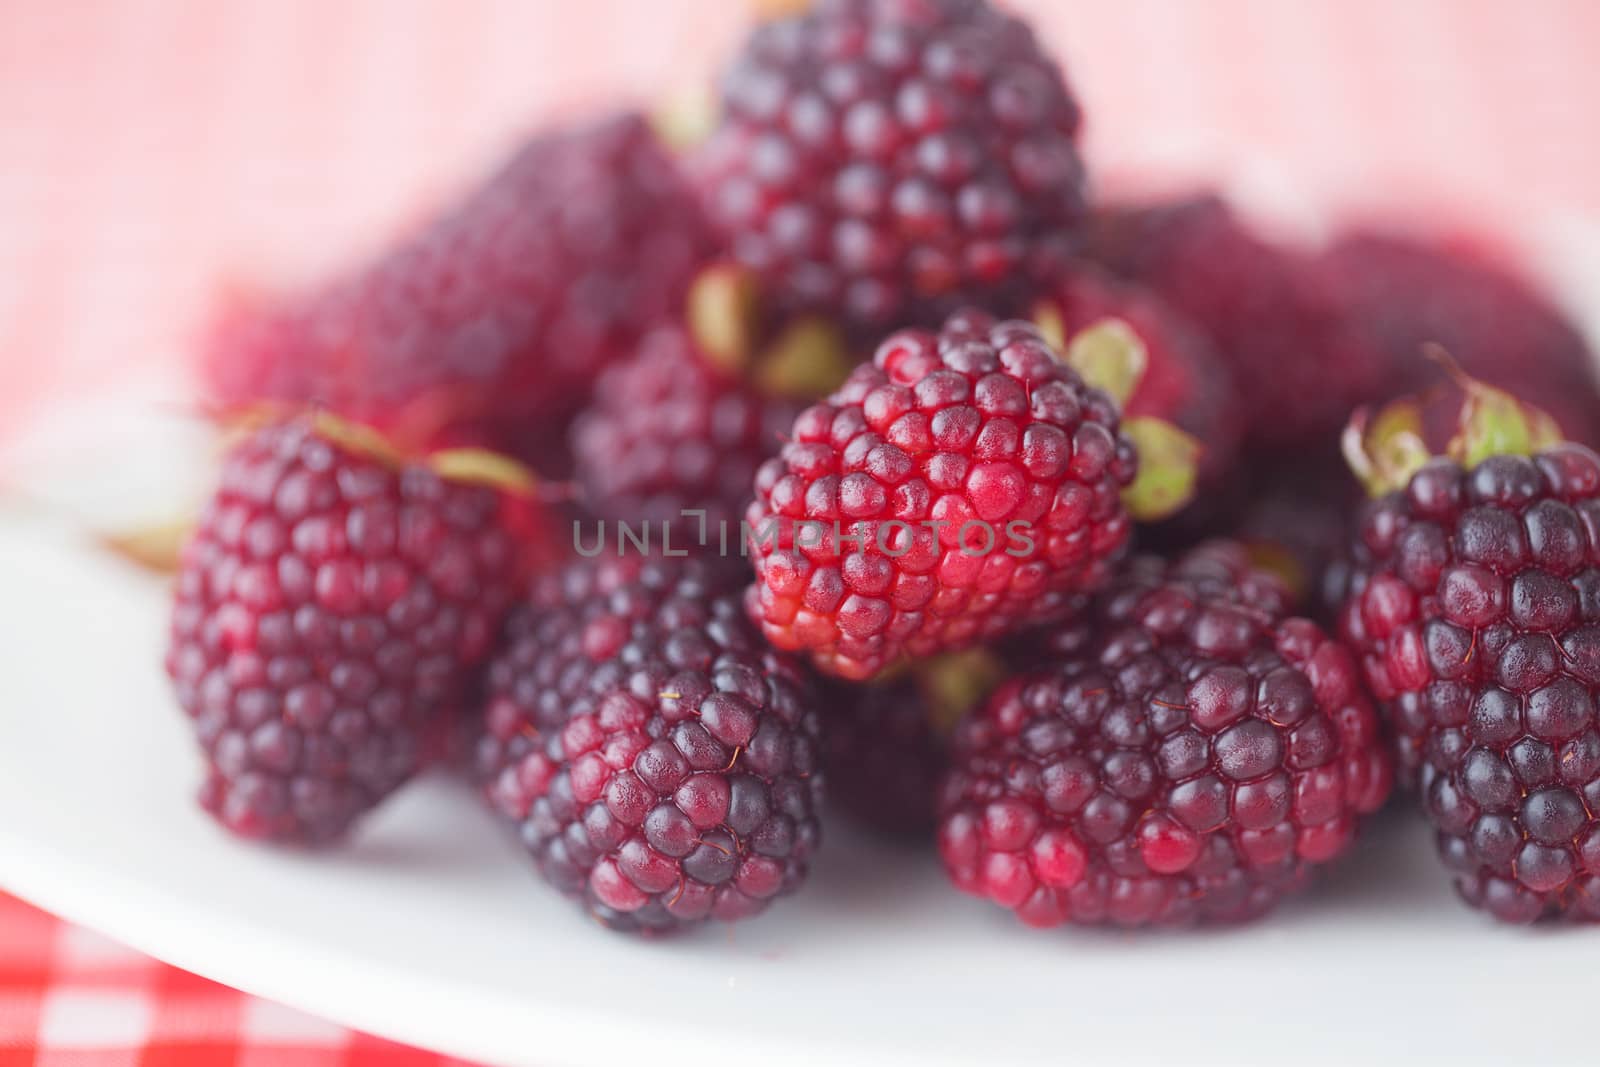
[1191, 755]
[1474, 603]
[658, 760]
[493, 319]
[1396, 294]
[1269, 311]
[330, 611]
[1185, 382]
[889, 161]
[981, 429]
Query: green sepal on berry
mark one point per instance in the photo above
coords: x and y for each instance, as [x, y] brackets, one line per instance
[1386, 447]
[807, 358]
[1111, 357]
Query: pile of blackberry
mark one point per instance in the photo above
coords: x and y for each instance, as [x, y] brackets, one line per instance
[852, 452]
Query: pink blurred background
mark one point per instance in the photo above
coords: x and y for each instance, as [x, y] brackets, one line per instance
[151, 150]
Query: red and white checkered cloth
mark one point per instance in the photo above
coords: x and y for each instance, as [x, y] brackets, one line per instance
[71, 998]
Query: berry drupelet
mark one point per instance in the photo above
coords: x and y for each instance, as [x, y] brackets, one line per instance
[330, 611]
[1474, 601]
[1191, 754]
[659, 761]
[493, 320]
[889, 161]
[964, 484]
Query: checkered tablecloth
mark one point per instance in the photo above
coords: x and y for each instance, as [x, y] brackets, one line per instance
[71, 998]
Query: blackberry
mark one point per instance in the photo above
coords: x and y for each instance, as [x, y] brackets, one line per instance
[1271, 312]
[885, 744]
[1397, 293]
[670, 432]
[961, 486]
[1474, 601]
[329, 613]
[1190, 755]
[889, 161]
[659, 761]
[492, 320]
[683, 424]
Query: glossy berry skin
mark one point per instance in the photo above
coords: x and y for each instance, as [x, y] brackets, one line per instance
[670, 432]
[885, 162]
[1268, 309]
[1475, 605]
[658, 760]
[884, 754]
[980, 429]
[493, 320]
[1185, 381]
[329, 616]
[1396, 293]
[1191, 755]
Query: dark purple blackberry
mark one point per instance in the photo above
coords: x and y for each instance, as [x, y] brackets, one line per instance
[1475, 605]
[1189, 756]
[888, 161]
[1397, 293]
[883, 753]
[492, 321]
[670, 432]
[1270, 311]
[329, 613]
[659, 761]
[885, 744]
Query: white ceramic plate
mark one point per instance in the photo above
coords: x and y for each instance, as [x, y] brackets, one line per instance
[430, 927]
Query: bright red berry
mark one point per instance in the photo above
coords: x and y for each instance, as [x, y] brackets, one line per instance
[962, 485]
[491, 322]
[658, 760]
[1190, 753]
[330, 612]
[887, 162]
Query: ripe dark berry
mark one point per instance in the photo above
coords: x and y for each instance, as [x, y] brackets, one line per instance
[493, 320]
[885, 744]
[1396, 294]
[1268, 309]
[884, 754]
[658, 760]
[888, 162]
[975, 482]
[1190, 755]
[670, 431]
[329, 614]
[1473, 605]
